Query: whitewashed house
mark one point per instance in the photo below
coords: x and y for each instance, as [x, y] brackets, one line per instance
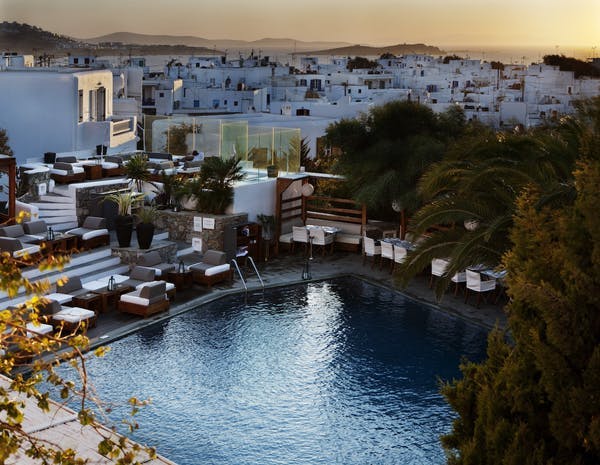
[61, 110]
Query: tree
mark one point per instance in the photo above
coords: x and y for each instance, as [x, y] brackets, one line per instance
[22, 350]
[579, 67]
[477, 184]
[213, 189]
[4, 147]
[536, 399]
[383, 154]
[360, 63]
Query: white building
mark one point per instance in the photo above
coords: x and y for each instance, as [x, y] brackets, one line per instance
[61, 110]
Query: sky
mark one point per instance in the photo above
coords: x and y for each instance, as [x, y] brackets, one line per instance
[476, 23]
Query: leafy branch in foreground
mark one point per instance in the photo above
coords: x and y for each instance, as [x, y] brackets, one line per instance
[29, 360]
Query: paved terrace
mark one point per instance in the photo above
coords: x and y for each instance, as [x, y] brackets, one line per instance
[287, 270]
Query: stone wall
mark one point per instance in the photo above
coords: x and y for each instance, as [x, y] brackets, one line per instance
[89, 199]
[180, 226]
[130, 255]
[30, 180]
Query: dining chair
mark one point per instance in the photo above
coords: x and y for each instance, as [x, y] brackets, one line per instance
[370, 249]
[387, 252]
[299, 234]
[475, 283]
[400, 254]
[322, 239]
[438, 268]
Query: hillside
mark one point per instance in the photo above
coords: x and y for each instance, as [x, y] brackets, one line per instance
[24, 38]
[229, 44]
[365, 50]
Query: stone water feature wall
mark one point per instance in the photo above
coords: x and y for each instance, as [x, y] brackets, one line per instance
[180, 226]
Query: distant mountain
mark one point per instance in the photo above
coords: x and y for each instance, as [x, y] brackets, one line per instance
[23, 38]
[222, 44]
[364, 50]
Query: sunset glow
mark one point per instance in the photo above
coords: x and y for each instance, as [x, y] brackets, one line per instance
[474, 23]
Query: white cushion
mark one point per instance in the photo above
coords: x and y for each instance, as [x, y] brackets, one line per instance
[134, 299]
[73, 314]
[94, 233]
[216, 269]
[60, 297]
[169, 286]
[109, 165]
[103, 282]
[26, 250]
[41, 328]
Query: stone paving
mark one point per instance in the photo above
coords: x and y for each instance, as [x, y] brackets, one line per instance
[287, 269]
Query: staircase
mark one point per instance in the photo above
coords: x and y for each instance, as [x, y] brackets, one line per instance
[58, 209]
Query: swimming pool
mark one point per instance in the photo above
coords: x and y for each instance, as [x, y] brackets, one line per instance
[337, 372]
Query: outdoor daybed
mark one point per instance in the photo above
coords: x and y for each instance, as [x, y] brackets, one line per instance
[147, 300]
[212, 269]
[92, 233]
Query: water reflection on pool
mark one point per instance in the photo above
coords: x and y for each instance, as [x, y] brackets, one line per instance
[337, 372]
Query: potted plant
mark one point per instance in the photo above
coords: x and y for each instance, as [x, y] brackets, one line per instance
[136, 169]
[145, 227]
[124, 218]
[213, 188]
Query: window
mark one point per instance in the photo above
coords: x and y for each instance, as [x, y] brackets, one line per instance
[80, 103]
[161, 94]
[86, 61]
[75, 61]
[197, 65]
[225, 102]
[235, 103]
[196, 103]
[360, 91]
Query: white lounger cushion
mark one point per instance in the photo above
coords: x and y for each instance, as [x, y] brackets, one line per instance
[94, 233]
[73, 314]
[109, 165]
[76, 170]
[134, 299]
[40, 328]
[215, 269]
[169, 286]
[26, 250]
[59, 297]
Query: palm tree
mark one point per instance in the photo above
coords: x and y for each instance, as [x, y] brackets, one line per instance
[471, 197]
[213, 189]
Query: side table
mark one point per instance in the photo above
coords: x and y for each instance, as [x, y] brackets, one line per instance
[90, 301]
[93, 171]
[111, 298]
[181, 280]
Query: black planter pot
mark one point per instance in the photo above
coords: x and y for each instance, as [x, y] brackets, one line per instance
[145, 234]
[124, 229]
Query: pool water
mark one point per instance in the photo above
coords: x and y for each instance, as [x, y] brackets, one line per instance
[337, 372]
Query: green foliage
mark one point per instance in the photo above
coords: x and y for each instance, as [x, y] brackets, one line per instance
[124, 200]
[213, 189]
[26, 350]
[536, 400]
[360, 63]
[448, 58]
[146, 214]
[579, 67]
[383, 154]
[4, 147]
[177, 135]
[136, 169]
[170, 191]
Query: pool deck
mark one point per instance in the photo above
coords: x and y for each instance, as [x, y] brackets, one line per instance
[287, 269]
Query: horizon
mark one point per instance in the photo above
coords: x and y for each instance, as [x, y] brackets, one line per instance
[464, 24]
